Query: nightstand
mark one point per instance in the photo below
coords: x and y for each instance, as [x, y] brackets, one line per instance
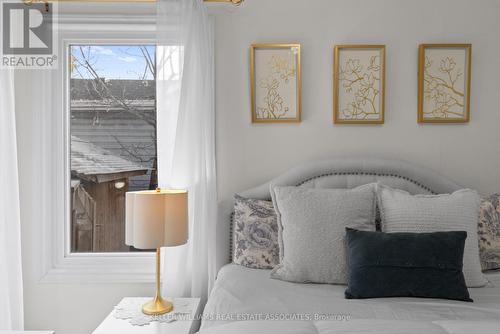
[188, 325]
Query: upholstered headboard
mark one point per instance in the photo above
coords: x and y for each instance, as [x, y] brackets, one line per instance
[339, 173]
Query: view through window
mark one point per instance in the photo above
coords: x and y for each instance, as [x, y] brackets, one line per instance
[113, 139]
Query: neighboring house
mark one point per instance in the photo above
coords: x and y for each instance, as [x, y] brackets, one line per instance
[113, 150]
[108, 125]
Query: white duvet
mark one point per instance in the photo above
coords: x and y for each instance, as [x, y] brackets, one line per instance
[248, 301]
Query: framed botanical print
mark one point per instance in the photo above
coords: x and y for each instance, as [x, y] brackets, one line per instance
[444, 75]
[275, 81]
[358, 84]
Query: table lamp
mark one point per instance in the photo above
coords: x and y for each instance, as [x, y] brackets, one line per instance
[154, 219]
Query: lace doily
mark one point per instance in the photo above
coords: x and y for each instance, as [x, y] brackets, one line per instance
[131, 309]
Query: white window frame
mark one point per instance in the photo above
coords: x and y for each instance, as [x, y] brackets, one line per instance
[56, 262]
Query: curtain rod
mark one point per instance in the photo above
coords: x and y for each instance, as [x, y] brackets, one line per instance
[234, 2]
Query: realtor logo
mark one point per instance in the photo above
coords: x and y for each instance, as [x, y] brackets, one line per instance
[28, 35]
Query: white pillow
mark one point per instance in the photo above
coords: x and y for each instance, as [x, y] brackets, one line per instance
[402, 212]
[311, 230]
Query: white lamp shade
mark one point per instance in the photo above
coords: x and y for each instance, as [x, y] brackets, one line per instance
[156, 218]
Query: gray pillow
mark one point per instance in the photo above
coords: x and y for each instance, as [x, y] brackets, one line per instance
[403, 212]
[255, 233]
[311, 230]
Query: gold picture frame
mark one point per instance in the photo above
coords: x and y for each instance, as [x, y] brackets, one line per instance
[359, 84]
[276, 84]
[444, 80]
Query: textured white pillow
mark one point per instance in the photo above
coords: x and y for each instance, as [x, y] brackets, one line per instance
[311, 229]
[403, 212]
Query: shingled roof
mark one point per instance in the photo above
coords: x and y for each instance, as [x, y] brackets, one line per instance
[93, 163]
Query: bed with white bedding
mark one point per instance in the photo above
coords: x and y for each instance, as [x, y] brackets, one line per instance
[247, 300]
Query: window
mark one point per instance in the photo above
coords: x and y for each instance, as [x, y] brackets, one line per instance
[112, 98]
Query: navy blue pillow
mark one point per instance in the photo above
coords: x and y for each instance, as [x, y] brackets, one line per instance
[406, 265]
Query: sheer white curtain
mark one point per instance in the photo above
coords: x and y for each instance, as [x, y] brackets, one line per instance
[11, 283]
[186, 139]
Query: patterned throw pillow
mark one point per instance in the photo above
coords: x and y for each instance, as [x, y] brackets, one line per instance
[255, 233]
[489, 232]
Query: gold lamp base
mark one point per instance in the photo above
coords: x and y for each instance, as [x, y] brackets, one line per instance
[157, 306]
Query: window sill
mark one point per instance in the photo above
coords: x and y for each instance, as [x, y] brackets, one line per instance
[101, 268]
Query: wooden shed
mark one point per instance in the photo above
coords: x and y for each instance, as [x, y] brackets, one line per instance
[99, 181]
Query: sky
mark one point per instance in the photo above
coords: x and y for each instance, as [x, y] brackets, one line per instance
[112, 61]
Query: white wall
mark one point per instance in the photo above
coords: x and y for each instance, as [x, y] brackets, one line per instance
[250, 154]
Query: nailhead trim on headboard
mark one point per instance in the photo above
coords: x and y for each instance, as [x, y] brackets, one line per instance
[231, 245]
[370, 174]
[231, 221]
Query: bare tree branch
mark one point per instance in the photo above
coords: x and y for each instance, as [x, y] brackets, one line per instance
[100, 88]
[108, 94]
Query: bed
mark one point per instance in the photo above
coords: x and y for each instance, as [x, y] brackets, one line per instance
[246, 300]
